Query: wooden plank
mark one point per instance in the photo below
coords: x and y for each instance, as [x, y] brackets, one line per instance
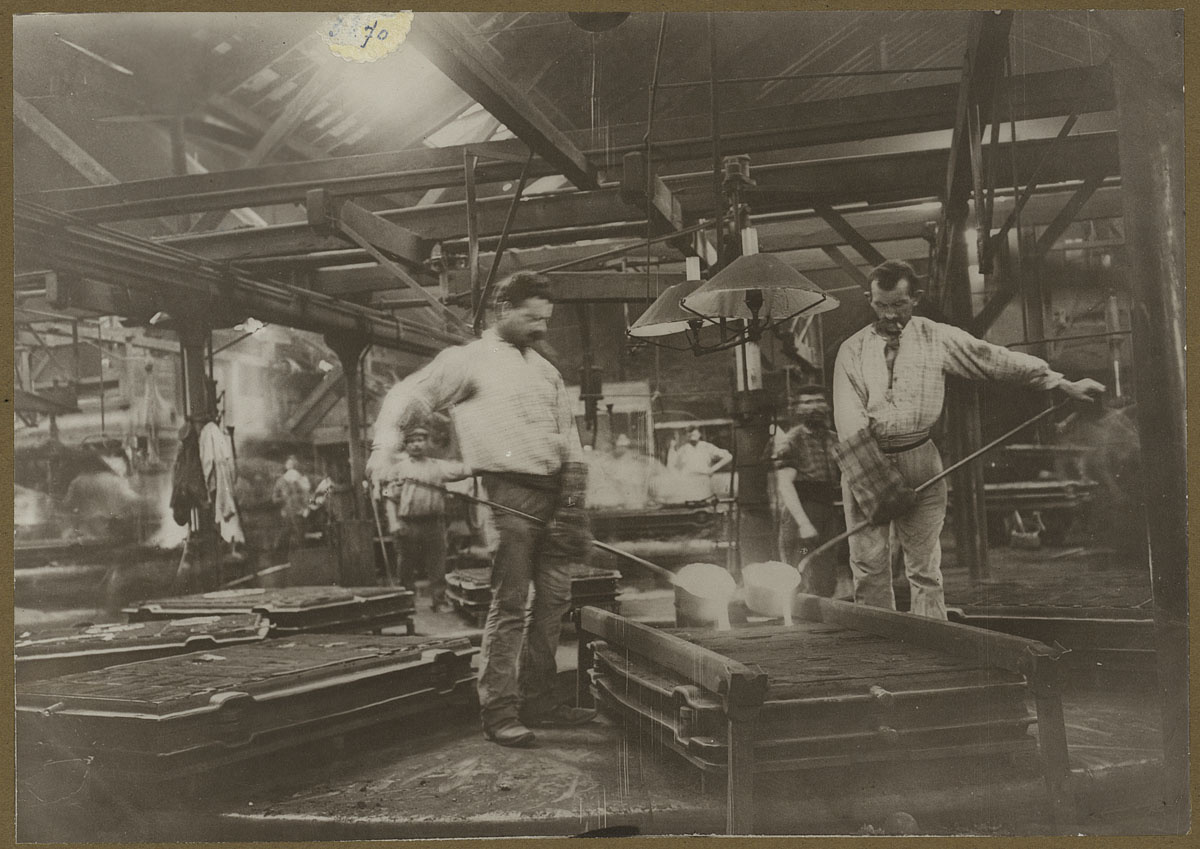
[383, 234]
[351, 176]
[247, 117]
[843, 262]
[836, 120]
[60, 142]
[566, 286]
[274, 135]
[447, 42]
[853, 238]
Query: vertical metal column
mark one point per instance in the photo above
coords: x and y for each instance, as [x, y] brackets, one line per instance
[970, 512]
[349, 348]
[1151, 138]
[354, 534]
[753, 410]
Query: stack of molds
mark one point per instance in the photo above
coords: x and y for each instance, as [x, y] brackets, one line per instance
[470, 590]
[292, 610]
[51, 652]
[833, 696]
[162, 719]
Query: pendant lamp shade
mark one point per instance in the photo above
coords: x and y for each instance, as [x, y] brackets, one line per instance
[758, 288]
[665, 317]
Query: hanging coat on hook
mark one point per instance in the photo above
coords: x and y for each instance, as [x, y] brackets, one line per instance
[188, 489]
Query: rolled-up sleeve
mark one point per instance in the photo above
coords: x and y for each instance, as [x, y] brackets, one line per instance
[973, 358]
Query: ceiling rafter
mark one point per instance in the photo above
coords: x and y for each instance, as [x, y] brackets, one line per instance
[443, 39]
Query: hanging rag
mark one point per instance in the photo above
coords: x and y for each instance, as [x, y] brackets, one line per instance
[220, 476]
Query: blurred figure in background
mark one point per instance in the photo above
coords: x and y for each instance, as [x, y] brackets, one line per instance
[696, 461]
[633, 474]
[807, 481]
[419, 518]
[291, 493]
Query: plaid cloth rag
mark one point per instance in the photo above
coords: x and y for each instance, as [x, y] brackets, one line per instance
[882, 494]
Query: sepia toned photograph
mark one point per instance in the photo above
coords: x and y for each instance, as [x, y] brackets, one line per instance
[509, 424]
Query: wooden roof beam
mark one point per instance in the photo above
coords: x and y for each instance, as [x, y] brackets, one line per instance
[350, 176]
[903, 176]
[454, 49]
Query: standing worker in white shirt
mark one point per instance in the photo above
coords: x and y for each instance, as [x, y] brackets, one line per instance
[516, 428]
[697, 461]
[889, 384]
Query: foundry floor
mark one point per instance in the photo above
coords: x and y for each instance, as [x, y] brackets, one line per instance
[438, 777]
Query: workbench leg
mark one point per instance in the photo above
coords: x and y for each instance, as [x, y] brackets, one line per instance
[739, 779]
[1052, 743]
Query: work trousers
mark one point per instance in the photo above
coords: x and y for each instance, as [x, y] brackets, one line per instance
[421, 543]
[919, 532]
[821, 575]
[517, 668]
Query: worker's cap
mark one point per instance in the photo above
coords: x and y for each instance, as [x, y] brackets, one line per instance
[624, 441]
[415, 432]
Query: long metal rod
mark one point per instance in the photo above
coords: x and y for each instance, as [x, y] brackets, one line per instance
[654, 567]
[486, 294]
[715, 108]
[830, 543]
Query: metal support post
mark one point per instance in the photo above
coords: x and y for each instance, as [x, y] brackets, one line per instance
[752, 413]
[1150, 113]
[970, 512]
[354, 534]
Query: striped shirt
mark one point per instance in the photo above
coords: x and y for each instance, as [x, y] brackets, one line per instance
[510, 409]
[929, 350]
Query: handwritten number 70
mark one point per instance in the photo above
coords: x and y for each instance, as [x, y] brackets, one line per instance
[381, 35]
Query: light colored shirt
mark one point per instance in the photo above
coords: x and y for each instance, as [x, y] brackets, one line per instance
[417, 500]
[694, 464]
[510, 409]
[929, 351]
